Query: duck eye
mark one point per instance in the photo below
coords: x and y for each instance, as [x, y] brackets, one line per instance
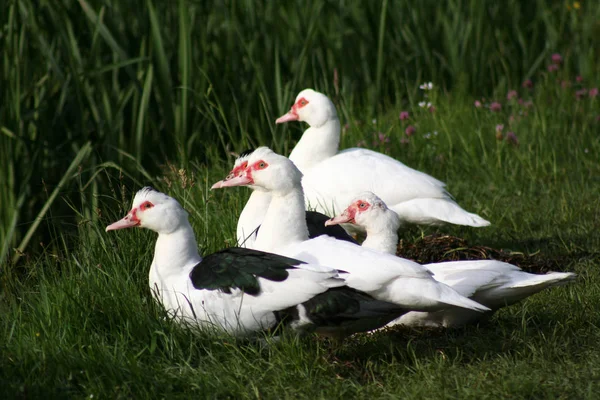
[262, 165]
[303, 102]
[362, 205]
[147, 205]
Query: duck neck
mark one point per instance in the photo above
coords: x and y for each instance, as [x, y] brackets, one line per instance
[317, 144]
[174, 253]
[284, 223]
[383, 235]
[252, 216]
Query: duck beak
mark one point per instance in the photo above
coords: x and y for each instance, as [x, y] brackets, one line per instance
[290, 116]
[345, 217]
[240, 180]
[129, 221]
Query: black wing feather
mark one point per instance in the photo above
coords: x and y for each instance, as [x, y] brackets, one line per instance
[316, 227]
[240, 268]
[246, 152]
[315, 221]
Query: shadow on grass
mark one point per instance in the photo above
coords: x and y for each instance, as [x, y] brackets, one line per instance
[439, 247]
[516, 335]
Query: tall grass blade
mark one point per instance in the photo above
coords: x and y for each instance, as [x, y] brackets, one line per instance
[380, 43]
[162, 66]
[185, 62]
[80, 157]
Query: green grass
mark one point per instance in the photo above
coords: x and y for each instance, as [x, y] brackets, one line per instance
[143, 81]
[100, 98]
[82, 322]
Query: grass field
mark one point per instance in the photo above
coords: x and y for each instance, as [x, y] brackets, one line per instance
[94, 108]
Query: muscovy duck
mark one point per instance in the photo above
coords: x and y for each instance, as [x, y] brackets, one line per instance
[492, 283]
[242, 291]
[283, 231]
[332, 179]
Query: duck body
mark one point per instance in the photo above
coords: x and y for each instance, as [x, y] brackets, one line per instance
[284, 231]
[256, 207]
[416, 197]
[243, 291]
[332, 178]
[492, 283]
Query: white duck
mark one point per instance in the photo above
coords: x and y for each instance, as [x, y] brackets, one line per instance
[254, 212]
[332, 179]
[283, 231]
[242, 291]
[492, 283]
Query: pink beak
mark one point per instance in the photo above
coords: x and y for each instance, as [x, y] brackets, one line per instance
[240, 180]
[129, 221]
[346, 216]
[290, 116]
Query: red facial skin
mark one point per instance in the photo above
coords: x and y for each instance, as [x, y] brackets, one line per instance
[239, 176]
[356, 208]
[146, 205]
[257, 166]
[131, 219]
[347, 217]
[260, 164]
[300, 103]
[244, 169]
[292, 115]
[237, 170]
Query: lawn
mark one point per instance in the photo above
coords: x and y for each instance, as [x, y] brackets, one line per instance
[515, 137]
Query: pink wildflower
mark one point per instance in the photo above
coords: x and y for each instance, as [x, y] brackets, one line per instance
[527, 84]
[477, 104]
[579, 78]
[345, 128]
[495, 106]
[580, 93]
[404, 140]
[512, 138]
[499, 134]
[511, 94]
[410, 130]
[557, 58]
[552, 67]
[593, 92]
[382, 138]
[432, 109]
[404, 115]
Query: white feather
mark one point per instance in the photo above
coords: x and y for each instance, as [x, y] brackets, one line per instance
[492, 283]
